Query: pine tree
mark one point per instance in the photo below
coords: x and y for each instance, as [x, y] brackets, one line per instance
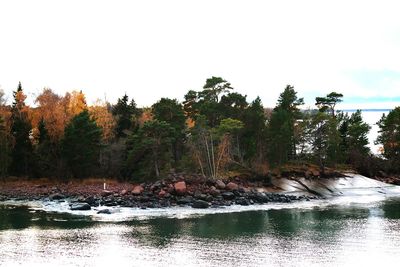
[5, 158]
[125, 113]
[389, 137]
[81, 145]
[282, 126]
[170, 111]
[150, 149]
[20, 129]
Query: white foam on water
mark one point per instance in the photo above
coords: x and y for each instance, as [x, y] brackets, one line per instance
[119, 214]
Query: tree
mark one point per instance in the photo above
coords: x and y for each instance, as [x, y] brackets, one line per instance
[213, 88]
[76, 103]
[282, 126]
[358, 135]
[228, 139]
[53, 110]
[254, 132]
[20, 129]
[150, 149]
[207, 101]
[81, 145]
[389, 137]
[125, 114]
[100, 112]
[319, 133]
[233, 105]
[170, 111]
[329, 102]
[5, 158]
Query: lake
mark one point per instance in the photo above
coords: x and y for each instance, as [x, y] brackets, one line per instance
[348, 233]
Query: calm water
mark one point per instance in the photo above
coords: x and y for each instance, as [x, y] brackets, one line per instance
[362, 234]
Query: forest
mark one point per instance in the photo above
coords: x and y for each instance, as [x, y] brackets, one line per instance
[215, 131]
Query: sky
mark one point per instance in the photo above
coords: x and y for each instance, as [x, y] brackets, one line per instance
[156, 48]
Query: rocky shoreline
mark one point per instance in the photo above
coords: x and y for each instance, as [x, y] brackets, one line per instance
[195, 192]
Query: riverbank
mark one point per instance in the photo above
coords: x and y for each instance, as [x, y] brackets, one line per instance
[291, 184]
[178, 190]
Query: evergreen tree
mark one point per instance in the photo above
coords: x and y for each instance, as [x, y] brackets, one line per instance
[282, 126]
[20, 129]
[5, 158]
[254, 131]
[81, 145]
[125, 113]
[150, 149]
[170, 111]
[329, 102]
[389, 137]
[45, 160]
[358, 135]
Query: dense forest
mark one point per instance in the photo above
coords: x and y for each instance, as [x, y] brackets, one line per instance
[213, 132]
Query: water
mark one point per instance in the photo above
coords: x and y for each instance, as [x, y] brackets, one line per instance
[345, 233]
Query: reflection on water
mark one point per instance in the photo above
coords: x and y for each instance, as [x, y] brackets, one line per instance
[354, 235]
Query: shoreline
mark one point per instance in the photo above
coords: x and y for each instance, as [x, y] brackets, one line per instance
[183, 190]
[193, 191]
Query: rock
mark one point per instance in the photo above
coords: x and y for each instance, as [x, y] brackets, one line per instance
[56, 196]
[90, 200]
[105, 211]
[242, 201]
[220, 184]
[80, 206]
[106, 193]
[232, 186]
[162, 193]
[124, 192]
[137, 190]
[180, 188]
[228, 195]
[200, 204]
[185, 200]
[214, 192]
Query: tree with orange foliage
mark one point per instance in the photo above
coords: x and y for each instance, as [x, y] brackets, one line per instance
[52, 110]
[100, 113]
[76, 103]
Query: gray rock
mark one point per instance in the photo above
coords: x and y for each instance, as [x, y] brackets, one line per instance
[228, 195]
[56, 196]
[105, 211]
[80, 206]
[200, 204]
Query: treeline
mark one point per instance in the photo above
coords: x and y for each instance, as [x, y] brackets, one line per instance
[214, 131]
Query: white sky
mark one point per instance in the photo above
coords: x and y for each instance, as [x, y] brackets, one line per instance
[152, 49]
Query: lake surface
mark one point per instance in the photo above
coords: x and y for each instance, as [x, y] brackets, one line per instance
[348, 233]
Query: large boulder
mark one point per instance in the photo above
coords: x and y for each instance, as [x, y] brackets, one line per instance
[200, 204]
[220, 184]
[80, 206]
[232, 186]
[180, 188]
[137, 190]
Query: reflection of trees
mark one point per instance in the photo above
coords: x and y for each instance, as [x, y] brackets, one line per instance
[391, 209]
[19, 217]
